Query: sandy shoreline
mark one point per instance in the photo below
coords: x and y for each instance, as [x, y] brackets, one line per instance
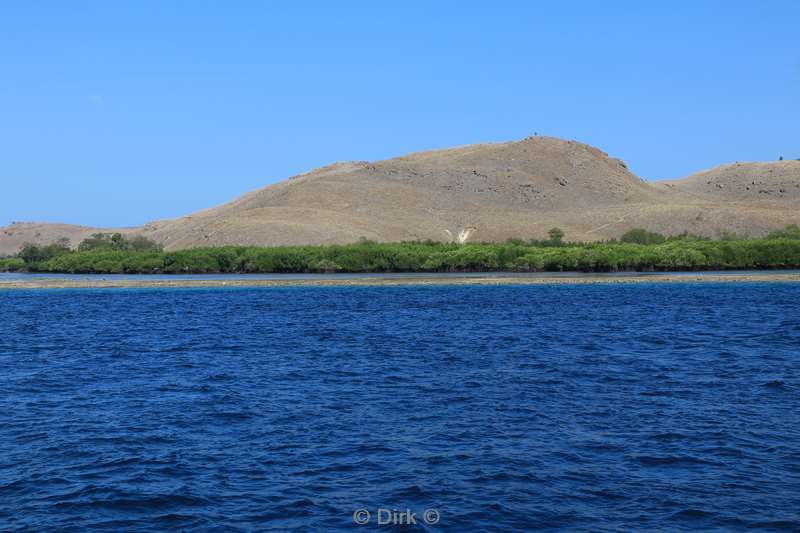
[56, 283]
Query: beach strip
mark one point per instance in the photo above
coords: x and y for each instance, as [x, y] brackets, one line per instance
[56, 283]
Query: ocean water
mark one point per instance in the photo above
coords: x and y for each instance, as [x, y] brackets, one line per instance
[671, 407]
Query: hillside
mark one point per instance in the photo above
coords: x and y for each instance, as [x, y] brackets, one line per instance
[12, 237]
[745, 182]
[483, 192]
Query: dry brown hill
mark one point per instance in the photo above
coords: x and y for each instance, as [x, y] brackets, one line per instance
[480, 192]
[12, 237]
[746, 182]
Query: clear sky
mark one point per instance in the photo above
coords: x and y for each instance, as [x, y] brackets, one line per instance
[116, 113]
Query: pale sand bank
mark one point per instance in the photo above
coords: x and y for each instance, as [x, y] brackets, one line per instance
[55, 283]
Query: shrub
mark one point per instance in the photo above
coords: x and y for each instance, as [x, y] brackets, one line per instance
[140, 243]
[791, 231]
[32, 253]
[556, 235]
[650, 252]
[642, 236]
[118, 242]
[326, 265]
[193, 261]
[470, 257]
[12, 264]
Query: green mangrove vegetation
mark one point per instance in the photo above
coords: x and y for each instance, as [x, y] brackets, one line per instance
[636, 250]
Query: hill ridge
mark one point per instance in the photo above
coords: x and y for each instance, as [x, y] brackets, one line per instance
[513, 189]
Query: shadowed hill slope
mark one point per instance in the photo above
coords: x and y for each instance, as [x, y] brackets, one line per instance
[483, 192]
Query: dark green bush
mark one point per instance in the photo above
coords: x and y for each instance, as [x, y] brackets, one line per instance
[11, 264]
[32, 254]
[118, 242]
[637, 250]
[556, 236]
[642, 236]
[791, 231]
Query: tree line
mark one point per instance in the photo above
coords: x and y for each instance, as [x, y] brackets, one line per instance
[636, 250]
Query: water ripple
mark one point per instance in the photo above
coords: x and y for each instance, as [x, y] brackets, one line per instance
[602, 408]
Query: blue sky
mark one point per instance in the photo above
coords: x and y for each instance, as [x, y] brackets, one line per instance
[116, 113]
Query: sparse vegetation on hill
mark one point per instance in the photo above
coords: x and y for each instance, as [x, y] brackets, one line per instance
[638, 250]
[33, 254]
[641, 236]
[485, 192]
[118, 242]
[789, 232]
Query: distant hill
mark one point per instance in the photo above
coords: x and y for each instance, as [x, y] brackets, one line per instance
[482, 192]
[18, 233]
[746, 182]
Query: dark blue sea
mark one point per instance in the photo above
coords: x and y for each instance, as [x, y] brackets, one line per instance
[655, 407]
